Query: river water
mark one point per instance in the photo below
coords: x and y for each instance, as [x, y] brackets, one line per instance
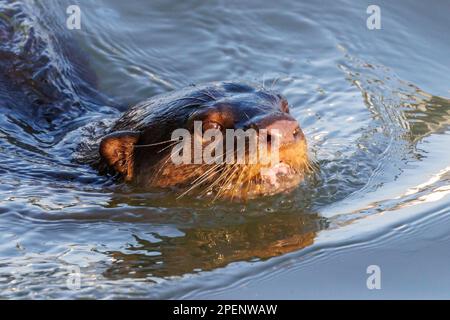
[373, 105]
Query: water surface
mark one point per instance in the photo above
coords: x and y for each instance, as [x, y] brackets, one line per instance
[372, 103]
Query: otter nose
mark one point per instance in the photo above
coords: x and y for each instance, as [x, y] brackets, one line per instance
[287, 131]
[283, 126]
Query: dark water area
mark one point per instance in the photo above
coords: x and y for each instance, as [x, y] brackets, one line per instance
[373, 105]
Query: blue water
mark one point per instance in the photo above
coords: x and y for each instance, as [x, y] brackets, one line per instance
[372, 103]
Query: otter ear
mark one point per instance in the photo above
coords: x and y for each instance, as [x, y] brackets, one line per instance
[116, 149]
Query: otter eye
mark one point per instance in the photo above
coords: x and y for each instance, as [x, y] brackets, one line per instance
[211, 125]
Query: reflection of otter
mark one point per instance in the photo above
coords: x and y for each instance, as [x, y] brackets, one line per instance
[139, 144]
[206, 248]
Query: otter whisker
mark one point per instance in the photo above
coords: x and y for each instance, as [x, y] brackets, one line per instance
[247, 181]
[226, 170]
[313, 165]
[208, 93]
[166, 147]
[223, 173]
[274, 82]
[228, 179]
[238, 181]
[201, 177]
[161, 167]
[230, 174]
[247, 185]
[215, 166]
[156, 143]
[191, 98]
[197, 170]
[208, 174]
[204, 178]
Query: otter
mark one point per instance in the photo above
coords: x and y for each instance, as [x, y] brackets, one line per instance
[137, 148]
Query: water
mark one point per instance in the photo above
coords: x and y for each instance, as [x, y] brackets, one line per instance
[372, 105]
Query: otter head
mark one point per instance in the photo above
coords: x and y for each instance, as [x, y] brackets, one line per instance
[233, 140]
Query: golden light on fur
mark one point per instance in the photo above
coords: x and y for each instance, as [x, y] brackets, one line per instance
[235, 181]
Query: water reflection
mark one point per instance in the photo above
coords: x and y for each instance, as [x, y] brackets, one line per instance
[207, 248]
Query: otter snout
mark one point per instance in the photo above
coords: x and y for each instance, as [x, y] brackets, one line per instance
[281, 125]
